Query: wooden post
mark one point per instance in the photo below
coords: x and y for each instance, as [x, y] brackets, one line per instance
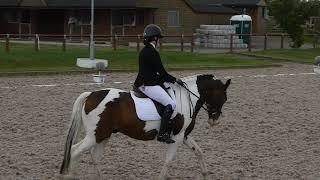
[182, 36]
[192, 43]
[265, 42]
[138, 42]
[160, 45]
[8, 43]
[64, 43]
[114, 42]
[315, 39]
[36, 43]
[231, 43]
[249, 43]
[282, 40]
[81, 33]
[19, 30]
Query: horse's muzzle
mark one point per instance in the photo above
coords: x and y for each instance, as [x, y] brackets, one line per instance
[213, 118]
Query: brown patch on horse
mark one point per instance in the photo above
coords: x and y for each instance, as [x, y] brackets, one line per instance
[94, 99]
[177, 124]
[120, 116]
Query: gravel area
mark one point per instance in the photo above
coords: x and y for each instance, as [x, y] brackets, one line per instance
[269, 129]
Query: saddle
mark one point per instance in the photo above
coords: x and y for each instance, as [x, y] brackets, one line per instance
[139, 94]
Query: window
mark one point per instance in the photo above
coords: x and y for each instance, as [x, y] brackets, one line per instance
[265, 13]
[140, 18]
[13, 16]
[85, 18]
[25, 17]
[173, 18]
[127, 18]
[117, 18]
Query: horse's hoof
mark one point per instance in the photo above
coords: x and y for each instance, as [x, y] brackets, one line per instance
[205, 175]
[68, 177]
[163, 178]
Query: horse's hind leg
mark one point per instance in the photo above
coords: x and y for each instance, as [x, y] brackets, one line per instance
[96, 155]
[75, 146]
[188, 141]
[86, 144]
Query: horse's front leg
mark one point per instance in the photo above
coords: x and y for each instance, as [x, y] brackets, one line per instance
[171, 152]
[198, 152]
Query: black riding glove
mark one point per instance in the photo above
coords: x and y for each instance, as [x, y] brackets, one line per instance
[180, 82]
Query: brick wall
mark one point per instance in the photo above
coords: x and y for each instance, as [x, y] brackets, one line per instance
[217, 19]
[186, 16]
[189, 20]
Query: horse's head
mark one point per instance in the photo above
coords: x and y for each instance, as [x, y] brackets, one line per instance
[213, 93]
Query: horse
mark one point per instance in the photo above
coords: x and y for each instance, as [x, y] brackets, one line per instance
[111, 110]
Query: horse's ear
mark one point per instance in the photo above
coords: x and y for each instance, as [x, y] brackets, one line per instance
[227, 84]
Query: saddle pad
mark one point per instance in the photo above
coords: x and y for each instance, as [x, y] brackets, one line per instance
[145, 108]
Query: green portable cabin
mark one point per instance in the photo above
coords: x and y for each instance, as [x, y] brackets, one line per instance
[243, 24]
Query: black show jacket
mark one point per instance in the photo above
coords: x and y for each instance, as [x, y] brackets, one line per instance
[151, 70]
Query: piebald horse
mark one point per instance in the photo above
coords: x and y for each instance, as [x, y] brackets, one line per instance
[109, 111]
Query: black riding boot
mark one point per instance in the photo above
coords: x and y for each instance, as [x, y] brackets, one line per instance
[165, 131]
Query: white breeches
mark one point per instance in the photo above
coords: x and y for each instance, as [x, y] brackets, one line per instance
[158, 94]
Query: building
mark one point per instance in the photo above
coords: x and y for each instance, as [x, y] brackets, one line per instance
[127, 17]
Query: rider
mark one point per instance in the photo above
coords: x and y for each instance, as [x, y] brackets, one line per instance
[151, 77]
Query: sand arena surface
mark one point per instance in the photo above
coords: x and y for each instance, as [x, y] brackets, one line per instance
[270, 129]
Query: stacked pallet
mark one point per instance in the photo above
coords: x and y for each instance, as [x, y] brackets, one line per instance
[217, 36]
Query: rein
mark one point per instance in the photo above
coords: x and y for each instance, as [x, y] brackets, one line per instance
[199, 102]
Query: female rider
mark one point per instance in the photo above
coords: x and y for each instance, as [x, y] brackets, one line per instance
[151, 77]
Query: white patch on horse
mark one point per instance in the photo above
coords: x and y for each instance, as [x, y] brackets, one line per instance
[150, 125]
[90, 120]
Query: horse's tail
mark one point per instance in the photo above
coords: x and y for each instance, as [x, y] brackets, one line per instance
[74, 128]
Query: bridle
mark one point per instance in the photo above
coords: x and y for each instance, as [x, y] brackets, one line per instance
[200, 103]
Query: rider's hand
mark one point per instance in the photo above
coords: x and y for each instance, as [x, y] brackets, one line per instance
[180, 82]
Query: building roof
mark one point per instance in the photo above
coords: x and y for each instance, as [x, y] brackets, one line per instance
[87, 3]
[221, 6]
[8, 3]
[202, 6]
[243, 2]
[32, 3]
[67, 3]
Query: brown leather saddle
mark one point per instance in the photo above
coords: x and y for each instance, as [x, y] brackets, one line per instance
[138, 93]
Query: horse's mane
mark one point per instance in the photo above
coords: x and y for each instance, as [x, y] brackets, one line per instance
[194, 77]
[208, 81]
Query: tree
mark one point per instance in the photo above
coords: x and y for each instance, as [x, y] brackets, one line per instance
[292, 15]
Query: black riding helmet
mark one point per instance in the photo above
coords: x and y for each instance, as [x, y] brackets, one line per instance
[151, 31]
